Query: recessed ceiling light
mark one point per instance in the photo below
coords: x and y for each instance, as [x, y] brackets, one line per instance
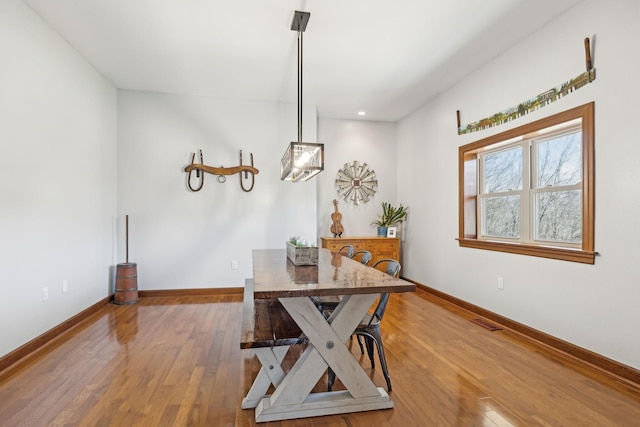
[362, 113]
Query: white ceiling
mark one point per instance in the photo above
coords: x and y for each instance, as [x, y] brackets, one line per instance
[382, 56]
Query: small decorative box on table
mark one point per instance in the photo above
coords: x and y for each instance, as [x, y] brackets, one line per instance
[302, 255]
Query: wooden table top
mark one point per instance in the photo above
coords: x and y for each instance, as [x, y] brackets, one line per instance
[275, 276]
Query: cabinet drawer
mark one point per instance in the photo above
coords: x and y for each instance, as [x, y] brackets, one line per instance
[382, 245]
[334, 244]
[388, 252]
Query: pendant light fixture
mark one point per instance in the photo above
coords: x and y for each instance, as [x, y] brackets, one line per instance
[301, 160]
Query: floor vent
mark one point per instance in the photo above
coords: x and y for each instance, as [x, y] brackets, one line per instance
[486, 324]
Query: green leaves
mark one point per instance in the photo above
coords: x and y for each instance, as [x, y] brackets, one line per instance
[391, 215]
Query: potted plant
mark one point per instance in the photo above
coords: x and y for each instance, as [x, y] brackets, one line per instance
[390, 216]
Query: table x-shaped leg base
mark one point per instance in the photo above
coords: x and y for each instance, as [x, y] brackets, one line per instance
[327, 349]
[270, 373]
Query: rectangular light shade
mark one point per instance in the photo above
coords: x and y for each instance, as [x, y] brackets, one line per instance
[301, 161]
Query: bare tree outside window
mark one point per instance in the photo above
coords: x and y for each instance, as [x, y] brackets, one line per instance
[502, 217]
[557, 205]
[503, 171]
[558, 216]
[558, 160]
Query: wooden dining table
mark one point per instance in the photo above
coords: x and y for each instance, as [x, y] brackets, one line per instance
[276, 278]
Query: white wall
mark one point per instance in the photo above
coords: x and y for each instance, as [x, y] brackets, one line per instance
[345, 141]
[57, 178]
[182, 239]
[592, 306]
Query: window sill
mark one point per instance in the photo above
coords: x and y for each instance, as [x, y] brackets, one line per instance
[564, 254]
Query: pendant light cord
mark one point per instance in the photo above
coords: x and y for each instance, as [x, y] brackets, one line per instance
[299, 86]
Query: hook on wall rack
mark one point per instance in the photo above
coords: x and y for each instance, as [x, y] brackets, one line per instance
[221, 172]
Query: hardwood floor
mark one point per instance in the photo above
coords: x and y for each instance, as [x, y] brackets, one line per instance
[176, 361]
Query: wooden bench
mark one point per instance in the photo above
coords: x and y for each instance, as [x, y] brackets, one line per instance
[265, 323]
[268, 329]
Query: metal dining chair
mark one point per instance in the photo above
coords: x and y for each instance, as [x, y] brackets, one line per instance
[392, 267]
[365, 256]
[346, 250]
[369, 326]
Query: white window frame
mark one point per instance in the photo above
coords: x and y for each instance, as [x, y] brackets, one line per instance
[529, 189]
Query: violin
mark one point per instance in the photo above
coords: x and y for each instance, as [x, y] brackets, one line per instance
[336, 228]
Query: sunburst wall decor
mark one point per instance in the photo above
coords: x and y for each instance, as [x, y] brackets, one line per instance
[356, 183]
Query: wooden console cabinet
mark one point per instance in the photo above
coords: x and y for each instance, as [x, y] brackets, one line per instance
[380, 247]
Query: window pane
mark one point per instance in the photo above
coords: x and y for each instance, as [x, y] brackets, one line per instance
[559, 160]
[558, 215]
[501, 216]
[503, 171]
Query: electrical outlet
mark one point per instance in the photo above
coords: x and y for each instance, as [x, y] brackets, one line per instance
[234, 265]
[500, 283]
[45, 294]
[65, 286]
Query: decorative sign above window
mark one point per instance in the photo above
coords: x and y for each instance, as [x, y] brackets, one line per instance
[356, 182]
[542, 100]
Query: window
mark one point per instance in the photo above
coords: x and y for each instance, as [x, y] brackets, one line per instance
[530, 190]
